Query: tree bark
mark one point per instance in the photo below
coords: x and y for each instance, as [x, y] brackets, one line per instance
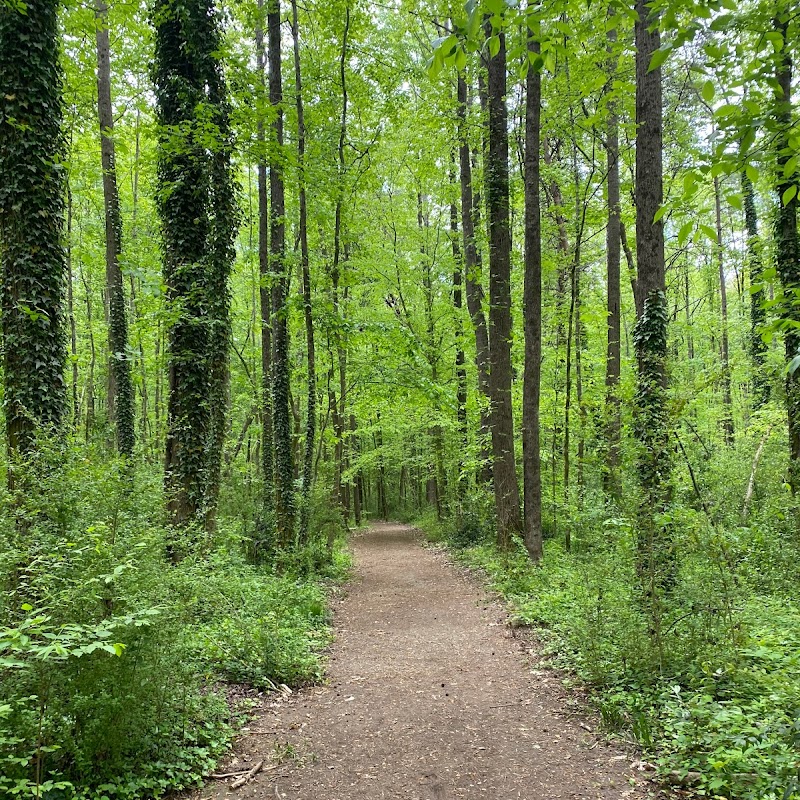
[532, 305]
[758, 314]
[311, 402]
[281, 418]
[472, 271]
[611, 479]
[506, 489]
[655, 561]
[787, 243]
[32, 224]
[120, 385]
[727, 420]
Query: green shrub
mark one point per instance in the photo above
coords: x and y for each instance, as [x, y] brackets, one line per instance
[110, 656]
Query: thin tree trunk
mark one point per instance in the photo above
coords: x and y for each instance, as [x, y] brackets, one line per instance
[758, 314]
[787, 242]
[120, 385]
[532, 305]
[73, 333]
[461, 372]
[727, 421]
[265, 299]
[472, 271]
[611, 478]
[339, 416]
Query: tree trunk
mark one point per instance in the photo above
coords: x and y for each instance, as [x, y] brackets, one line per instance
[120, 385]
[281, 420]
[32, 224]
[506, 489]
[311, 402]
[611, 479]
[655, 560]
[727, 421]
[265, 292]
[758, 314]
[461, 372]
[340, 490]
[472, 271]
[197, 206]
[532, 305]
[787, 243]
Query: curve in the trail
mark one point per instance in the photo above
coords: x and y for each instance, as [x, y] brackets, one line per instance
[429, 697]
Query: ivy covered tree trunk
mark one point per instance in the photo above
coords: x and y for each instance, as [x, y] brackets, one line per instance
[32, 193]
[196, 203]
[311, 403]
[532, 309]
[655, 561]
[265, 300]
[120, 384]
[758, 314]
[281, 415]
[787, 243]
[506, 489]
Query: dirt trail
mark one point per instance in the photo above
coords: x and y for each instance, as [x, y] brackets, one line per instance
[430, 698]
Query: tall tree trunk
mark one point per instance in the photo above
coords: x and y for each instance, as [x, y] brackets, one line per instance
[787, 243]
[120, 385]
[32, 223]
[758, 314]
[532, 305]
[311, 402]
[461, 371]
[727, 421]
[472, 276]
[340, 490]
[506, 489]
[281, 419]
[73, 331]
[655, 560]
[611, 480]
[197, 206]
[265, 292]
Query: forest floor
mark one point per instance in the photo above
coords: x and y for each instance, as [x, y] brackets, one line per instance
[431, 696]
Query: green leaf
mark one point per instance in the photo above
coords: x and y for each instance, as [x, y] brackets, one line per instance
[684, 232]
[789, 195]
[659, 57]
[494, 46]
[707, 91]
[751, 173]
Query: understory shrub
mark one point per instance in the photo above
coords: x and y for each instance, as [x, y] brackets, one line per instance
[718, 698]
[111, 658]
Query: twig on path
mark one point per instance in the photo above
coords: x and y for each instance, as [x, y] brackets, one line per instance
[248, 776]
[220, 776]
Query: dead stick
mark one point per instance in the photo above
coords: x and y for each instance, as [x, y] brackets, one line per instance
[219, 776]
[247, 777]
[751, 484]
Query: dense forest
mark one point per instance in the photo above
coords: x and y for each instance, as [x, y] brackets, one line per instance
[525, 274]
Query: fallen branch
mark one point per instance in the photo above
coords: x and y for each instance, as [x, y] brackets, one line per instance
[751, 484]
[221, 776]
[248, 776]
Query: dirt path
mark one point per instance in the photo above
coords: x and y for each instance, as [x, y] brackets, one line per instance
[429, 699]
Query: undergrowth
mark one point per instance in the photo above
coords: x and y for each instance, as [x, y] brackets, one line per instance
[717, 705]
[112, 660]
